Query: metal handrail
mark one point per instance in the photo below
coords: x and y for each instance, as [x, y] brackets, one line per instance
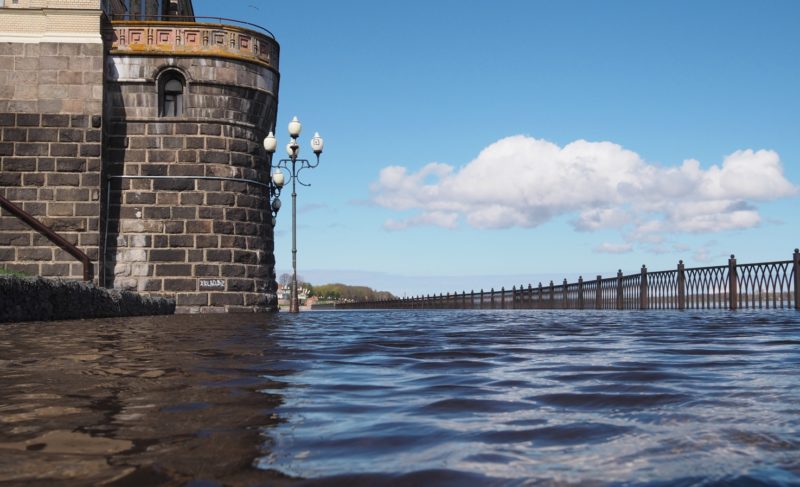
[50, 234]
[185, 18]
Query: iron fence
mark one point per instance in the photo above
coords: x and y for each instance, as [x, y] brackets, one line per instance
[765, 285]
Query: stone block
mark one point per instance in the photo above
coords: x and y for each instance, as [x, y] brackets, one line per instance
[156, 213]
[207, 270]
[168, 255]
[223, 299]
[233, 270]
[160, 241]
[240, 285]
[181, 241]
[174, 184]
[235, 214]
[193, 198]
[192, 299]
[223, 227]
[180, 284]
[209, 185]
[34, 254]
[15, 239]
[69, 164]
[172, 143]
[155, 155]
[21, 194]
[60, 209]
[154, 169]
[19, 164]
[70, 135]
[220, 199]
[245, 257]
[64, 150]
[46, 164]
[90, 150]
[214, 157]
[87, 209]
[31, 149]
[183, 213]
[207, 241]
[233, 242]
[210, 213]
[186, 169]
[200, 226]
[247, 201]
[214, 255]
[167, 198]
[246, 229]
[63, 179]
[10, 178]
[15, 135]
[174, 227]
[55, 120]
[194, 142]
[140, 198]
[160, 128]
[72, 194]
[173, 270]
[141, 226]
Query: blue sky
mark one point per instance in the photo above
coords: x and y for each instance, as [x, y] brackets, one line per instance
[497, 143]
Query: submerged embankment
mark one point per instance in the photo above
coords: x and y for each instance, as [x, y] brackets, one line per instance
[39, 299]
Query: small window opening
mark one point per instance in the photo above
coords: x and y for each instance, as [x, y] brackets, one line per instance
[172, 96]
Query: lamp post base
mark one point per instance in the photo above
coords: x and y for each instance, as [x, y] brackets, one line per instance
[294, 306]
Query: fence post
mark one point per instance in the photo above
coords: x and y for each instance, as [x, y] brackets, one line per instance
[580, 292]
[503, 297]
[530, 296]
[643, 290]
[620, 297]
[796, 266]
[598, 293]
[540, 297]
[733, 281]
[491, 298]
[681, 286]
[552, 303]
[480, 303]
[514, 297]
[564, 292]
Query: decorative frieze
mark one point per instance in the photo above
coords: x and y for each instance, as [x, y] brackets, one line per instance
[193, 39]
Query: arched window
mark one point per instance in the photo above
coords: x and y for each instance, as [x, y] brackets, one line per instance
[171, 95]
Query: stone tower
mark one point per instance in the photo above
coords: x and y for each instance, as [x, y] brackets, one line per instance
[149, 159]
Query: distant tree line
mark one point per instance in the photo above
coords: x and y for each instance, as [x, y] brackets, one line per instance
[336, 291]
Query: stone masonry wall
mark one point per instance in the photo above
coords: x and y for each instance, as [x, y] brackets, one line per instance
[50, 151]
[174, 228]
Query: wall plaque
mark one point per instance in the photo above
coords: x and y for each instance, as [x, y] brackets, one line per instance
[215, 284]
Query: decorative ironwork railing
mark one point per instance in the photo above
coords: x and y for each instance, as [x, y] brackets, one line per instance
[732, 286]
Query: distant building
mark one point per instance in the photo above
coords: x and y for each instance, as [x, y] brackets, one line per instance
[133, 128]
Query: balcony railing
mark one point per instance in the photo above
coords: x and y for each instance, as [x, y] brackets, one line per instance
[185, 36]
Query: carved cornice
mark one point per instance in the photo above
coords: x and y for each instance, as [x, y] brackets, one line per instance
[193, 39]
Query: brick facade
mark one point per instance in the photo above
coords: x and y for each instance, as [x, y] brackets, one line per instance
[51, 97]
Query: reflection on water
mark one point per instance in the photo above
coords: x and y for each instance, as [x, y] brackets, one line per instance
[135, 401]
[544, 397]
[404, 398]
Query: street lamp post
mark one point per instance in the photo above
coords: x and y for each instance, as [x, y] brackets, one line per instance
[292, 166]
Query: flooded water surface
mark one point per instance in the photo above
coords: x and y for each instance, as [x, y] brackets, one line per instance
[404, 398]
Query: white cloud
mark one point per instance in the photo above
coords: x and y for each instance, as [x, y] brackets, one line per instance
[521, 181]
[612, 248]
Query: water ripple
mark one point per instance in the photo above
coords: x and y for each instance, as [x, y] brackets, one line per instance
[539, 398]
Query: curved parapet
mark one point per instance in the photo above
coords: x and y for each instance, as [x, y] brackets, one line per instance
[180, 38]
